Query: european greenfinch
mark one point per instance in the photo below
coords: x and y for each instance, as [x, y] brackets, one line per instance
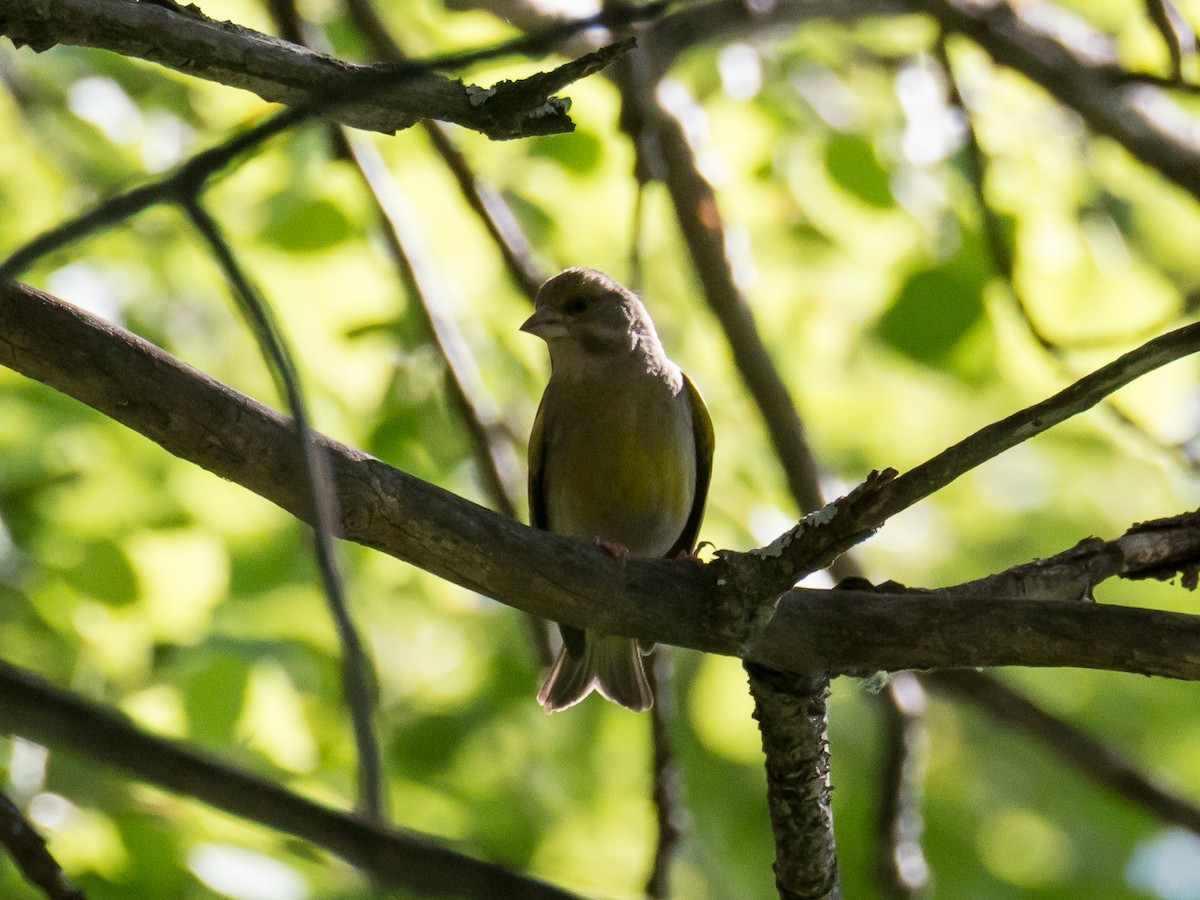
[621, 454]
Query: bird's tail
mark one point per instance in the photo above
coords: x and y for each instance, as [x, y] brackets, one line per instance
[610, 665]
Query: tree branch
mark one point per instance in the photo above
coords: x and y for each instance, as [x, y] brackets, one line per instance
[1076, 746]
[793, 720]
[31, 707]
[902, 870]
[1109, 107]
[182, 38]
[559, 578]
[823, 535]
[359, 685]
[28, 850]
[487, 203]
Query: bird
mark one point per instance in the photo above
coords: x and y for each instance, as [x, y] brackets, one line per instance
[621, 454]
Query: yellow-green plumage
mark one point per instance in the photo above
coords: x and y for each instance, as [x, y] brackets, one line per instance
[621, 453]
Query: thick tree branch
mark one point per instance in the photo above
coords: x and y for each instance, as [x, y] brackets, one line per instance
[674, 602]
[184, 39]
[793, 721]
[840, 631]
[33, 708]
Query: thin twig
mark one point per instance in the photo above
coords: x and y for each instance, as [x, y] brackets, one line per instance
[668, 805]
[493, 455]
[1095, 759]
[1003, 262]
[704, 233]
[190, 177]
[485, 201]
[32, 707]
[900, 862]
[1177, 37]
[28, 850]
[814, 543]
[358, 676]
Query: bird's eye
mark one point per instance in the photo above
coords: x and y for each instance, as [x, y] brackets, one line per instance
[575, 305]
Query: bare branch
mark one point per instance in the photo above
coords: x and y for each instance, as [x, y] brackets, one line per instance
[822, 536]
[31, 707]
[704, 232]
[793, 721]
[852, 633]
[28, 850]
[482, 197]
[1177, 36]
[358, 674]
[902, 869]
[668, 805]
[1109, 107]
[184, 39]
[494, 457]
[707, 607]
[1094, 759]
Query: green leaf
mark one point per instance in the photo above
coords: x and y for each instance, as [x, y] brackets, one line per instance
[104, 572]
[305, 225]
[932, 312]
[580, 151]
[852, 163]
[215, 694]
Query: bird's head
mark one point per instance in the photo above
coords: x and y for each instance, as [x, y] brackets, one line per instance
[582, 312]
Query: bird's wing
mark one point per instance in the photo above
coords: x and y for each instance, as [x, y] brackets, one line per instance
[573, 638]
[702, 429]
[537, 470]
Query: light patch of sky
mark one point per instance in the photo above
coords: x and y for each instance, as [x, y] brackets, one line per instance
[934, 130]
[741, 256]
[1165, 114]
[1071, 29]
[88, 287]
[677, 100]
[829, 96]
[26, 767]
[101, 101]
[165, 140]
[51, 811]
[245, 874]
[741, 73]
[1167, 866]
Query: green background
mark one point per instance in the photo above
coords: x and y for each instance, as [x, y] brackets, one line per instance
[144, 583]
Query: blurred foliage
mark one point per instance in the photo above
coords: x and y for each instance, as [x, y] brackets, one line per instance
[193, 606]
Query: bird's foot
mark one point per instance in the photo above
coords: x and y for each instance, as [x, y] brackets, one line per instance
[693, 556]
[616, 551]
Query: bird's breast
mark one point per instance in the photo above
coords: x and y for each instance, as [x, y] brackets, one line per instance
[620, 466]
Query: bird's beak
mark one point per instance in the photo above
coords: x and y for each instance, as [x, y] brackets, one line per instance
[547, 323]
